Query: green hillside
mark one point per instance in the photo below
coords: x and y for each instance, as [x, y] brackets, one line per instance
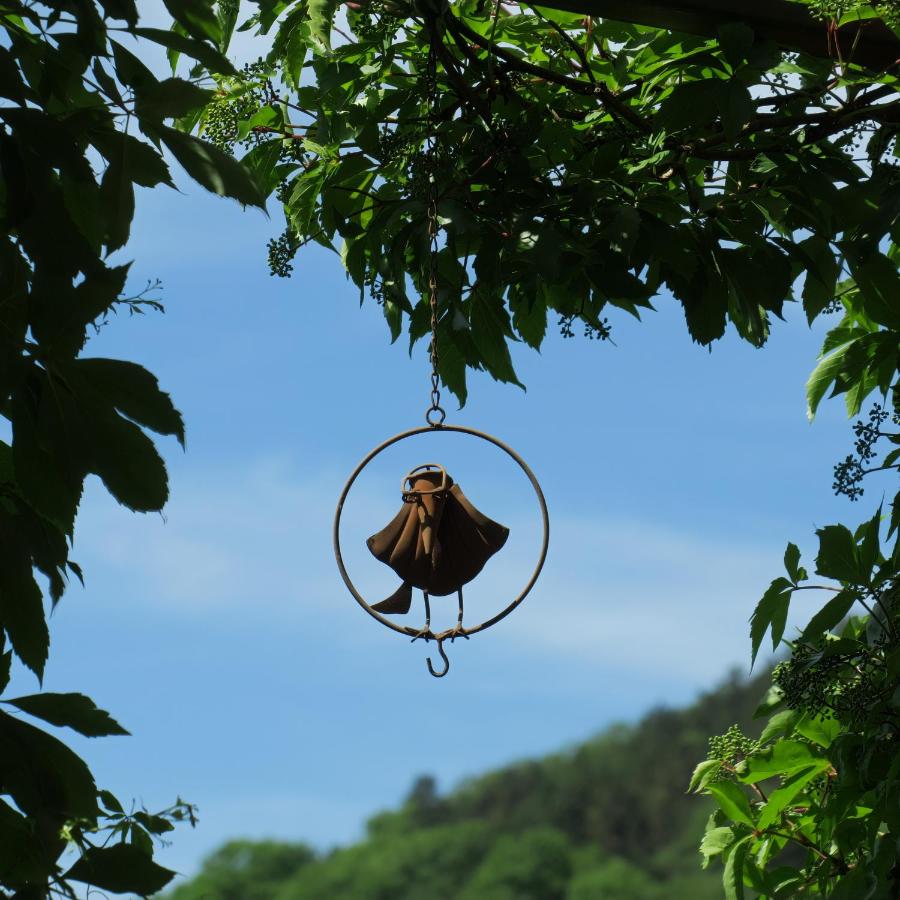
[606, 820]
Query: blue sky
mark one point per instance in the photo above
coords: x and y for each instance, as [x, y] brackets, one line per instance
[221, 636]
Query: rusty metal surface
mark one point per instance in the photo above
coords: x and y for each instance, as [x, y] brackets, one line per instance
[438, 540]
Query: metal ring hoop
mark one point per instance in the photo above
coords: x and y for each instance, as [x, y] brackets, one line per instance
[430, 429]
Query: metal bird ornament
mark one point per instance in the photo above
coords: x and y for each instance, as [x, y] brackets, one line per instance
[437, 542]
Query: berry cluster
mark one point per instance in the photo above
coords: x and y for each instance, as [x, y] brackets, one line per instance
[837, 9]
[730, 749]
[826, 684]
[376, 22]
[282, 251]
[849, 473]
[599, 331]
[224, 116]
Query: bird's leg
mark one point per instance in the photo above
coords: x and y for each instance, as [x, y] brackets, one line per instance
[426, 631]
[459, 631]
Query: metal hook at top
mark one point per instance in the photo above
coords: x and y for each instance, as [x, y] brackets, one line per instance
[446, 669]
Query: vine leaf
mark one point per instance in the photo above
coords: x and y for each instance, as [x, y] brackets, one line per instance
[22, 614]
[771, 612]
[74, 711]
[733, 875]
[822, 377]
[829, 616]
[782, 796]
[838, 557]
[121, 868]
[321, 15]
[216, 170]
[733, 801]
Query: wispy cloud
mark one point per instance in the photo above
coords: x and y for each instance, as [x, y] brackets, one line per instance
[623, 593]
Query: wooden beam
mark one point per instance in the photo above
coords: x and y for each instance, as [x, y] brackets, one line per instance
[786, 23]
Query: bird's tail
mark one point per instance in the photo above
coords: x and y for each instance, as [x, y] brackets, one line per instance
[399, 602]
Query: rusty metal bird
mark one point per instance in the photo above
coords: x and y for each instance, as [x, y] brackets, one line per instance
[437, 542]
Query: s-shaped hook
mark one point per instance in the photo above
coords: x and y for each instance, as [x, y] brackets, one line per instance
[446, 669]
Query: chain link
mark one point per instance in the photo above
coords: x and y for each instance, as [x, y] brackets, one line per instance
[435, 414]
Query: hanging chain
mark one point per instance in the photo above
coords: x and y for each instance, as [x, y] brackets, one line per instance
[435, 415]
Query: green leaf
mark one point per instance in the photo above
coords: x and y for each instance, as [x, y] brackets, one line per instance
[792, 563]
[133, 391]
[838, 557]
[771, 612]
[879, 284]
[69, 710]
[733, 874]
[197, 17]
[703, 772]
[691, 104]
[142, 163]
[262, 163]
[117, 195]
[154, 824]
[780, 725]
[714, 842]
[127, 462]
[121, 868]
[530, 319]
[211, 167]
[822, 271]
[23, 856]
[783, 758]
[735, 39]
[822, 377]
[5, 668]
[831, 615]
[170, 99]
[490, 329]
[11, 85]
[45, 482]
[737, 107]
[820, 731]
[781, 798]
[772, 699]
[869, 544]
[452, 363]
[42, 775]
[305, 197]
[110, 802]
[211, 58]
[227, 12]
[22, 614]
[321, 15]
[733, 801]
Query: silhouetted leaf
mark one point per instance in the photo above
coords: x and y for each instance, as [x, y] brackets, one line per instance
[838, 557]
[69, 710]
[42, 775]
[209, 166]
[132, 390]
[771, 612]
[209, 56]
[121, 868]
[831, 614]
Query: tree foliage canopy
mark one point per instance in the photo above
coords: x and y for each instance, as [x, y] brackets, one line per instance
[83, 121]
[580, 167]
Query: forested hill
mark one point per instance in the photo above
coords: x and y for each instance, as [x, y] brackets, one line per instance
[606, 820]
